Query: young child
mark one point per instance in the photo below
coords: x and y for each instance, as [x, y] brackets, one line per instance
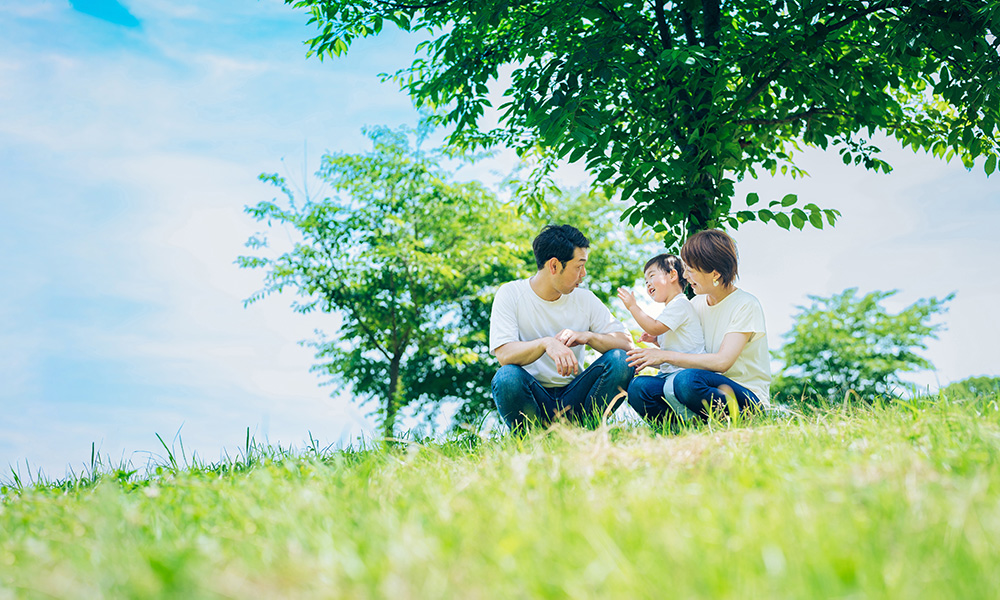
[677, 327]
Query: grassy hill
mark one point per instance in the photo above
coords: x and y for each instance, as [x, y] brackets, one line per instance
[898, 501]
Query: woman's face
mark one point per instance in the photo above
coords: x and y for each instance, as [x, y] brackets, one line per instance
[700, 281]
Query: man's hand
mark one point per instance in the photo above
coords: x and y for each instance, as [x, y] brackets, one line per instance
[574, 338]
[647, 338]
[627, 299]
[640, 358]
[561, 354]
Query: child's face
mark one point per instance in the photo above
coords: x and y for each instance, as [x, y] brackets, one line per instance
[658, 284]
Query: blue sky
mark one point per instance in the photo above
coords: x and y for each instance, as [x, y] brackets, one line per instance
[131, 136]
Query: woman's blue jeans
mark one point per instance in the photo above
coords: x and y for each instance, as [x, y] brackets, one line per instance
[520, 398]
[694, 390]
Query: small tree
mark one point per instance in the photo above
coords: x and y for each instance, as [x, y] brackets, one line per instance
[973, 387]
[848, 343]
[403, 257]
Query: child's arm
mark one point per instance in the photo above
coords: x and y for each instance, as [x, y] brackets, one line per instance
[646, 322]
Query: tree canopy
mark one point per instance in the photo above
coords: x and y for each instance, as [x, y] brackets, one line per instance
[672, 102]
[849, 343]
[398, 254]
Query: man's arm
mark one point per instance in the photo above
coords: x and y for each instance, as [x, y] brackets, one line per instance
[525, 353]
[602, 342]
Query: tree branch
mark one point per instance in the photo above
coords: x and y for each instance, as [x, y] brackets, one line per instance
[861, 14]
[661, 25]
[805, 114]
[712, 14]
[638, 38]
[761, 83]
[689, 33]
[399, 5]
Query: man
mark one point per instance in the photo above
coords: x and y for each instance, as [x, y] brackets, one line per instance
[539, 329]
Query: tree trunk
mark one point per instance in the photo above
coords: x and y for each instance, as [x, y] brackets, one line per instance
[391, 398]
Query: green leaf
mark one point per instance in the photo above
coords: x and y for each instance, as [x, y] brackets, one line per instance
[752, 198]
[789, 200]
[782, 220]
[991, 164]
[816, 218]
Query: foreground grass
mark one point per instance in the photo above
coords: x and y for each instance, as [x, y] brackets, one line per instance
[886, 502]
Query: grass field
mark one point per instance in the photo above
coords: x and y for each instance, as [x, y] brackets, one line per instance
[898, 501]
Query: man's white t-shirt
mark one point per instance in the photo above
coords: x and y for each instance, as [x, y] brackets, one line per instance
[519, 315]
[685, 330]
[739, 312]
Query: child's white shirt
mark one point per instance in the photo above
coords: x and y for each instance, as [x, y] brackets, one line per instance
[685, 334]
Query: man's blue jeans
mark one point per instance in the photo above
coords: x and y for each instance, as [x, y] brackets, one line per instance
[520, 398]
[692, 390]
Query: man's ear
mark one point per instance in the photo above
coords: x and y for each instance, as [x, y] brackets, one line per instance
[552, 266]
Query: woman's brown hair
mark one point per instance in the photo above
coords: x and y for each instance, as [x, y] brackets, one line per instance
[712, 250]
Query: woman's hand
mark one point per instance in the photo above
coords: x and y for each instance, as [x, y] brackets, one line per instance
[647, 338]
[627, 299]
[640, 358]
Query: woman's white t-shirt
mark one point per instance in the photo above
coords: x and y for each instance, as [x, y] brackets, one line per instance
[685, 330]
[739, 312]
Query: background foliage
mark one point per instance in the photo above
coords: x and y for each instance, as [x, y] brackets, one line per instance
[850, 343]
[973, 387]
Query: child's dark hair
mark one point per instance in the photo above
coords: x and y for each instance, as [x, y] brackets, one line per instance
[559, 241]
[668, 263]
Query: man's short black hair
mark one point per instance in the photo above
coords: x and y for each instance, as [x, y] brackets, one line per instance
[559, 241]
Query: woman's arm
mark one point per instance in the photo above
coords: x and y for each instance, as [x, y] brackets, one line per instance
[719, 362]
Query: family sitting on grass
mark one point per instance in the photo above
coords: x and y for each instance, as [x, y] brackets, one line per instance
[706, 349]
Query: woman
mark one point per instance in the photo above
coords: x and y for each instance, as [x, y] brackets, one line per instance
[736, 359]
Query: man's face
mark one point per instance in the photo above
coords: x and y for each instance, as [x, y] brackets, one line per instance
[572, 272]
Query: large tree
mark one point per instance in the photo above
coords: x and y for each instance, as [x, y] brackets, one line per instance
[672, 102]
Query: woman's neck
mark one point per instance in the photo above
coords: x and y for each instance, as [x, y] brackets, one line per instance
[719, 294]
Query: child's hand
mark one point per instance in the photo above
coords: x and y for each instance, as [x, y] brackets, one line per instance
[627, 298]
[648, 338]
